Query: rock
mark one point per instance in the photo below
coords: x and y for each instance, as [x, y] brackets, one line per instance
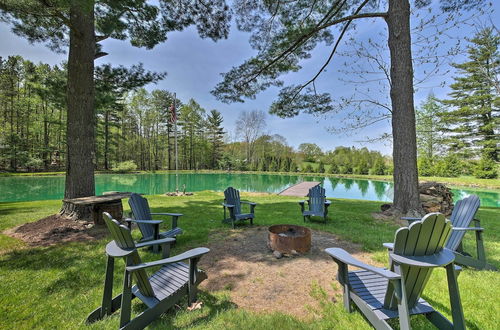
[385, 207]
[294, 253]
[278, 254]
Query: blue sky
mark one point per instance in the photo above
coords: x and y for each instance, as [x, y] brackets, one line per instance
[194, 66]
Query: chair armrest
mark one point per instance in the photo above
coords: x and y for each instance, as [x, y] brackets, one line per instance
[249, 203]
[155, 242]
[191, 254]
[440, 259]
[327, 202]
[302, 202]
[467, 228]
[169, 214]
[344, 257]
[389, 246]
[227, 205]
[150, 222]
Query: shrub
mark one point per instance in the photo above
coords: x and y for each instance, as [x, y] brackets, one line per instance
[334, 168]
[486, 169]
[308, 169]
[449, 166]
[124, 167]
[379, 167]
[346, 169]
[34, 164]
[425, 167]
[321, 168]
[362, 168]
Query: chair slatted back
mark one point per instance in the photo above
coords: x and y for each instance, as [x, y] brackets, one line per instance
[140, 209]
[421, 238]
[317, 196]
[123, 239]
[462, 216]
[232, 196]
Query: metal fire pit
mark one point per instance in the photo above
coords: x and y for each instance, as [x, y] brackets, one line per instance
[285, 238]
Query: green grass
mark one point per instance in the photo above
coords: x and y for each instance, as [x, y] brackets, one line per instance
[56, 287]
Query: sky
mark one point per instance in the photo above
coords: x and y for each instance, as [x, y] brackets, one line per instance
[194, 65]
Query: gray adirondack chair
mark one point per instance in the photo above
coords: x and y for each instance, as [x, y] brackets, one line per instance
[233, 203]
[318, 204]
[150, 229]
[461, 218]
[159, 292]
[383, 294]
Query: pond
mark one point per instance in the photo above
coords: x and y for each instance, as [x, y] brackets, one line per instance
[22, 188]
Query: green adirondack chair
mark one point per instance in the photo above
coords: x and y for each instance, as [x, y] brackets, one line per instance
[150, 229]
[461, 218]
[233, 203]
[159, 292]
[318, 204]
[383, 294]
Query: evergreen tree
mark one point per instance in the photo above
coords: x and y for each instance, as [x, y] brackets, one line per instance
[321, 167]
[215, 135]
[429, 128]
[474, 117]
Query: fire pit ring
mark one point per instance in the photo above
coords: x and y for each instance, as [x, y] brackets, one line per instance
[288, 238]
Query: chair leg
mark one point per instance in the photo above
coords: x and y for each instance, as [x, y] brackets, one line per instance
[399, 288]
[126, 299]
[455, 302]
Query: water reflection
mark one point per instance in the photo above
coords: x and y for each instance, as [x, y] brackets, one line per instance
[52, 187]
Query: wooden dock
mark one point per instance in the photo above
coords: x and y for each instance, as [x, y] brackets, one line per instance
[300, 189]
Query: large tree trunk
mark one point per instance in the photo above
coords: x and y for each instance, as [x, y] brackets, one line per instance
[80, 120]
[406, 195]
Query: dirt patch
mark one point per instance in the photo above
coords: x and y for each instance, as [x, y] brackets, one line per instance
[243, 264]
[56, 229]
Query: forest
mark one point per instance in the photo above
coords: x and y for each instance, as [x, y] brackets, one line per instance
[134, 126]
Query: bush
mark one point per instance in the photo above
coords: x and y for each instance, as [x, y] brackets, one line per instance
[486, 169]
[124, 167]
[308, 169]
[345, 169]
[449, 166]
[334, 168]
[378, 168]
[362, 168]
[34, 164]
[425, 167]
[321, 168]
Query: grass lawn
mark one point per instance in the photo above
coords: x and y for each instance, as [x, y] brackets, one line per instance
[57, 286]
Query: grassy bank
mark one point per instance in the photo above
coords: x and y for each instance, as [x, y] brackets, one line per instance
[57, 286]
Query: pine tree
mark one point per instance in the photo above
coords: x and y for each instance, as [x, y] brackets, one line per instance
[474, 117]
[429, 128]
[215, 136]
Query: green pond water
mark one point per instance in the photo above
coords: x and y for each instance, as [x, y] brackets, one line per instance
[22, 188]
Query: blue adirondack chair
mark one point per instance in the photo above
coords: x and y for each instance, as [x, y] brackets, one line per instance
[233, 203]
[461, 218]
[160, 291]
[382, 294]
[318, 204]
[150, 229]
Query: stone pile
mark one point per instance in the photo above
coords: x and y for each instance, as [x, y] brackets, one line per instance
[436, 197]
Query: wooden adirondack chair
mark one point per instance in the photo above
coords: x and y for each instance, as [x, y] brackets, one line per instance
[233, 202]
[318, 204]
[461, 218]
[150, 229]
[159, 292]
[383, 294]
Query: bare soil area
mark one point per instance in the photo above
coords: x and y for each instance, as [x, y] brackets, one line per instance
[243, 264]
[56, 229]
